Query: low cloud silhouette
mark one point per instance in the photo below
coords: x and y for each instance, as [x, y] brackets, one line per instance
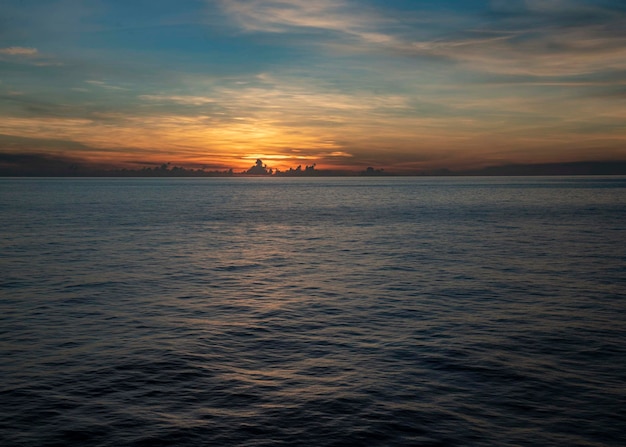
[259, 169]
[35, 164]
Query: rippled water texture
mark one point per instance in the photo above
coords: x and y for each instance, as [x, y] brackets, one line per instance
[313, 312]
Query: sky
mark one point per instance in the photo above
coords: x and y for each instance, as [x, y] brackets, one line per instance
[404, 85]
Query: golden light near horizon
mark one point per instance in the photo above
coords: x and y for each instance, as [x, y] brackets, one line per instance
[402, 86]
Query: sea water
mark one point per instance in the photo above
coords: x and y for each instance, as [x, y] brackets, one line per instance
[382, 311]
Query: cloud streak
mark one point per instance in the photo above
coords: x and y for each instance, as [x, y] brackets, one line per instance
[282, 16]
[541, 53]
[557, 38]
[19, 51]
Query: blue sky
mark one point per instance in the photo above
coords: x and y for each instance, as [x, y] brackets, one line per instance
[402, 85]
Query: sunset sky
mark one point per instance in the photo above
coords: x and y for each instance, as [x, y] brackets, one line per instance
[395, 84]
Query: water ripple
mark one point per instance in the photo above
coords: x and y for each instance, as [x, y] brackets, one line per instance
[325, 312]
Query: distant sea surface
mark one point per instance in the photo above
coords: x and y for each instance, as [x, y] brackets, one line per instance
[357, 311]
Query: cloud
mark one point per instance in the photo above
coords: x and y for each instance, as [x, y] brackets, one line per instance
[36, 164]
[284, 15]
[19, 51]
[569, 52]
[543, 39]
[105, 85]
[340, 154]
[179, 99]
[279, 100]
[530, 37]
[280, 16]
[29, 56]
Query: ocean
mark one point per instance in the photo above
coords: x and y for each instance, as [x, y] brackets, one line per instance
[383, 311]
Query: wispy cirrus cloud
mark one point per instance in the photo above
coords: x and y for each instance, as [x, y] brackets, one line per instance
[278, 16]
[28, 55]
[19, 51]
[192, 100]
[538, 53]
[285, 15]
[533, 38]
[542, 38]
[104, 84]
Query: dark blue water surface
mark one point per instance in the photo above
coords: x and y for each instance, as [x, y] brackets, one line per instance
[313, 312]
